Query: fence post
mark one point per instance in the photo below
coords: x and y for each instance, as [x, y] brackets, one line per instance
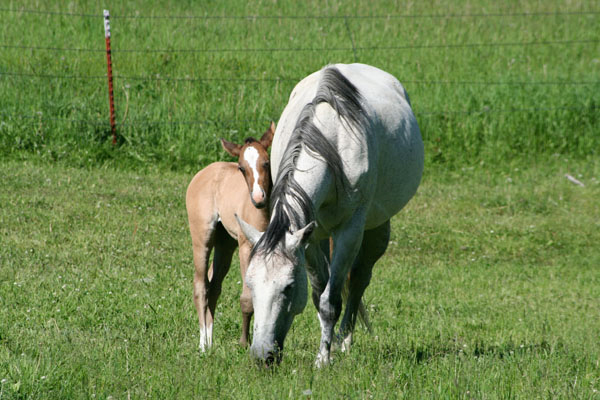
[111, 100]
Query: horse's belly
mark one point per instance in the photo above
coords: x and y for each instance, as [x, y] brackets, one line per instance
[399, 171]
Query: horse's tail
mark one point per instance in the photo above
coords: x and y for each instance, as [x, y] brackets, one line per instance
[363, 315]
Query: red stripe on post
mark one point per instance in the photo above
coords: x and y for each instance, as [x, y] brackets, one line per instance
[111, 98]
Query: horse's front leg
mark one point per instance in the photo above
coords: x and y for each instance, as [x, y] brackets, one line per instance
[374, 244]
[347, 244]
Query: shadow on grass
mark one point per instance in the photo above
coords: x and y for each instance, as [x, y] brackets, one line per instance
[423, 353]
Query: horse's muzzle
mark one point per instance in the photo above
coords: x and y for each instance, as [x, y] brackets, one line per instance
[267, 357]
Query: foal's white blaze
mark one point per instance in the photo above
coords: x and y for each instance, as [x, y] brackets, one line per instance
[251, 157]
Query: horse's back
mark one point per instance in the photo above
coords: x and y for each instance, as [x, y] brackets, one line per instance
[396, 147]
[373, 83]
[302, 94]
[392, 168]
[207, 181]
[383, 160]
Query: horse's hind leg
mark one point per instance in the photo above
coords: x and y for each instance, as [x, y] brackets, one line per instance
[374, 244]
[318, 258]
[224, 247]
[202, 241]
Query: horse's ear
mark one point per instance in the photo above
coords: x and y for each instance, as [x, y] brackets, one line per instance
[231, 148]
[251, 233]
[296, 239]
[267, 137]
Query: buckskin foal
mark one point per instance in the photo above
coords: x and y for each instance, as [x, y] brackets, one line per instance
[213, 197]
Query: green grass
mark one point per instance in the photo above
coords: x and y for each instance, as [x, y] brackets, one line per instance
[525, 107]
[489, 289]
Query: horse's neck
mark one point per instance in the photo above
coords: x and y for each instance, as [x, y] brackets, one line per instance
[312, 175]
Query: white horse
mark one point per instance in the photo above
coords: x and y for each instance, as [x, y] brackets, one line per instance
[347, 155]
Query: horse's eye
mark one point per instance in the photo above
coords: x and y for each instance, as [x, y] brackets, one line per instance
[242, 169]
[288, 289]
[266, 165]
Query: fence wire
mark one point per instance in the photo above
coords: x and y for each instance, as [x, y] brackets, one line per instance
[292, 80]
[39, 117]
[315, 49]
[7, 116]
[507, 14]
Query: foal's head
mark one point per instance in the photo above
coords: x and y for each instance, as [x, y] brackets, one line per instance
[253, 163]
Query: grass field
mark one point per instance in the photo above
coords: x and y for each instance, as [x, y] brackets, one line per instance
[521, 80]
[490, 287]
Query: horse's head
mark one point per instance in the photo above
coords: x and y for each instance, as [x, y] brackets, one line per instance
[279, 290]
[253, 163]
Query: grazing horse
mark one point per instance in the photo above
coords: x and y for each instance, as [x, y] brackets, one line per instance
[213, 197]
[347, 156]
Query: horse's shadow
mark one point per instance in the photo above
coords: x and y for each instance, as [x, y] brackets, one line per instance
[425, 352]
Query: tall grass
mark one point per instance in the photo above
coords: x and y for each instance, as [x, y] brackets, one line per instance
[478, 93]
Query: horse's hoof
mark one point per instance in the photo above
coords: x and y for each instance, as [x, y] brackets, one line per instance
[322, 361]
[346, 342]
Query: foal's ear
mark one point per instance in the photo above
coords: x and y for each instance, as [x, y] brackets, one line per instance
[231, 148]
[267, 137]
[251, 233]
[299, 238]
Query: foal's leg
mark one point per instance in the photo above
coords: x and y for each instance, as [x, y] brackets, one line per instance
[224, 248]
[202, 242]
[347, 244]
[374, 244]
[246, 297]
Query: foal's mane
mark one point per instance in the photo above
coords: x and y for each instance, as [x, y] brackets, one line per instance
[337, 91]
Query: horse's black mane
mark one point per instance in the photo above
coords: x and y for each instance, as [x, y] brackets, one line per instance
[336, 90]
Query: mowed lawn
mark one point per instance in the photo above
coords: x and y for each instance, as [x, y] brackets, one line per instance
[490, 288]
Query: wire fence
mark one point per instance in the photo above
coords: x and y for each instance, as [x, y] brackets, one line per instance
[271, 80]
[231, 122]
[346, 16]
[315, 49]
[353, 49]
